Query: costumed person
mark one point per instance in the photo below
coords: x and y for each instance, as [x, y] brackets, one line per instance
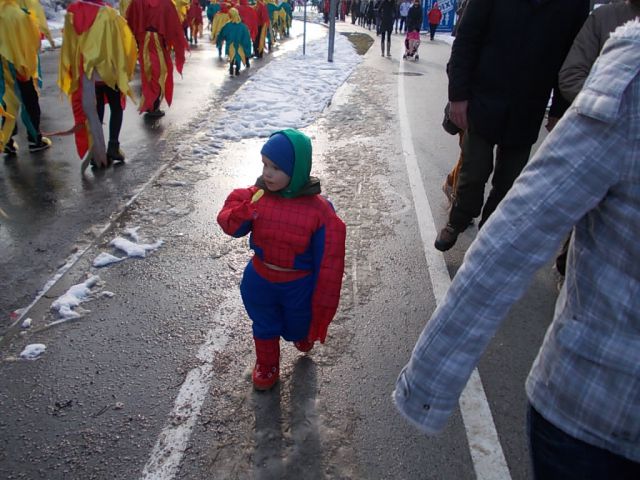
[193, 21]
[158, 31]
[97, 62]
[19, 46]
[220, 19]
[264, 25]
[434, 16]
[291, 286]
[212, 9]
[274, 21]
[237, 40]
[250, 19]
[288, 17]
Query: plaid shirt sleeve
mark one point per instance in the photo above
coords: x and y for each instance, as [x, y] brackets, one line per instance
[570, 175]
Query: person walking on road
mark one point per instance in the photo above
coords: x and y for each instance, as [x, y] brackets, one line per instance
[97, 62]
[387, 14]
[434, 16]
[584, 386]
[291, 286]
[501, 103]
[237, 40]
[158, 31]
[20, 31]
[403, 11]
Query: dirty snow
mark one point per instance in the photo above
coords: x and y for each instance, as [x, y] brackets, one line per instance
[33, 351]
[26, 323]
[133, 249]
[77, 294]
[105, 259]
[289, 92]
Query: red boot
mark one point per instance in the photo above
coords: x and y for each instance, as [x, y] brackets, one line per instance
[303, 345]
[267, 369]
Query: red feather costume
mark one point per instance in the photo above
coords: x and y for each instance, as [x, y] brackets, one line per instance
[158, 30]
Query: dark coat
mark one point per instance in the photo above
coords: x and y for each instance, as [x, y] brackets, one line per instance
[387, 12]
[505, 62]
[414, 18]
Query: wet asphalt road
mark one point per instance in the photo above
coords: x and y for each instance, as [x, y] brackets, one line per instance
[102, 402]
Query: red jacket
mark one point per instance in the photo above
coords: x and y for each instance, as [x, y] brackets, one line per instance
[302, 233]
[434, 15]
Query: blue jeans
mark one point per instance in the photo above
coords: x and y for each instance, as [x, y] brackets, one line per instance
[556, 455]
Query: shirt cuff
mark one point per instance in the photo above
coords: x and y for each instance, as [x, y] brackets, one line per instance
[418, 408]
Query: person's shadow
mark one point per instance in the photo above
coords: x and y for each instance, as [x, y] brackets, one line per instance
[289, 448]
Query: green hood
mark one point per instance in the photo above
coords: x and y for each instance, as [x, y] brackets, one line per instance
[302, 165]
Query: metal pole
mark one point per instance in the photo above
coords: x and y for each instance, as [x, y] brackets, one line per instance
[304, 29]
[332, 28]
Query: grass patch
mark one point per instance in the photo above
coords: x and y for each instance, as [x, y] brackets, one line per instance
[361, 41]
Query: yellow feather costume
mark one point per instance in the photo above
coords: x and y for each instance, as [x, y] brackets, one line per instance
[19, 46]
[108, 47]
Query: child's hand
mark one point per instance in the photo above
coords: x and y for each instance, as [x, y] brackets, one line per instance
[257, 196]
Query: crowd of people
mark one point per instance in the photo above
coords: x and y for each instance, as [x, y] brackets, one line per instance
[99, 51]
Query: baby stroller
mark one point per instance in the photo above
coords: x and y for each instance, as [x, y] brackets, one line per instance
[411, 44]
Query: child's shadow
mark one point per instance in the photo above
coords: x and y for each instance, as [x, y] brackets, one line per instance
[289, 447]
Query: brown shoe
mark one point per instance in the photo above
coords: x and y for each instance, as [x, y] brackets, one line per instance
[446, 238]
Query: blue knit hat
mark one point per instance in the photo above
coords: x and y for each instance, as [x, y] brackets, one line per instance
[280, 151]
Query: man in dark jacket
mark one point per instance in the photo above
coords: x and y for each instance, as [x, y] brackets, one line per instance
[504, 64]
[414, 17]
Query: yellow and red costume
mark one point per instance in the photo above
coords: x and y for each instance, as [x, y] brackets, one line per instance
[158, 31]
[249, 18]
[264, 24]
[193, 21]
[220, 19]
[97, 47]
[19, 46]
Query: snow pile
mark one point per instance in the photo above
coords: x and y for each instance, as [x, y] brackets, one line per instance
[289, 92]
[77, 294]
[26, 323]
[105, 259]
[33, 351]
[133, 249]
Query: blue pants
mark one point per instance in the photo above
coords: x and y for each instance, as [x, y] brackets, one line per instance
[559, 456]
[277, 309]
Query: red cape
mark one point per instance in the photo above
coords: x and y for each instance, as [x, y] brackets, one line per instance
[160, 16]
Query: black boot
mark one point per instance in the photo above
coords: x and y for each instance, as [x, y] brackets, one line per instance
[114, 154]
[231, 69]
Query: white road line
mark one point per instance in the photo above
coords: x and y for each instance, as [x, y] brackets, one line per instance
[168, 452]
[486, 452]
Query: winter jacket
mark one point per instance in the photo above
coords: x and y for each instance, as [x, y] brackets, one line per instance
[588, 44]
[505, 62]
[387, 13]
[414, 18]
[434, 16]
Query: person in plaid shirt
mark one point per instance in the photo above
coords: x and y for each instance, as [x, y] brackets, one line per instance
[291, 286]
[584, 386]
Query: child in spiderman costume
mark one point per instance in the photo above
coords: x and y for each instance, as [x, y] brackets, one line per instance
[291, 286]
